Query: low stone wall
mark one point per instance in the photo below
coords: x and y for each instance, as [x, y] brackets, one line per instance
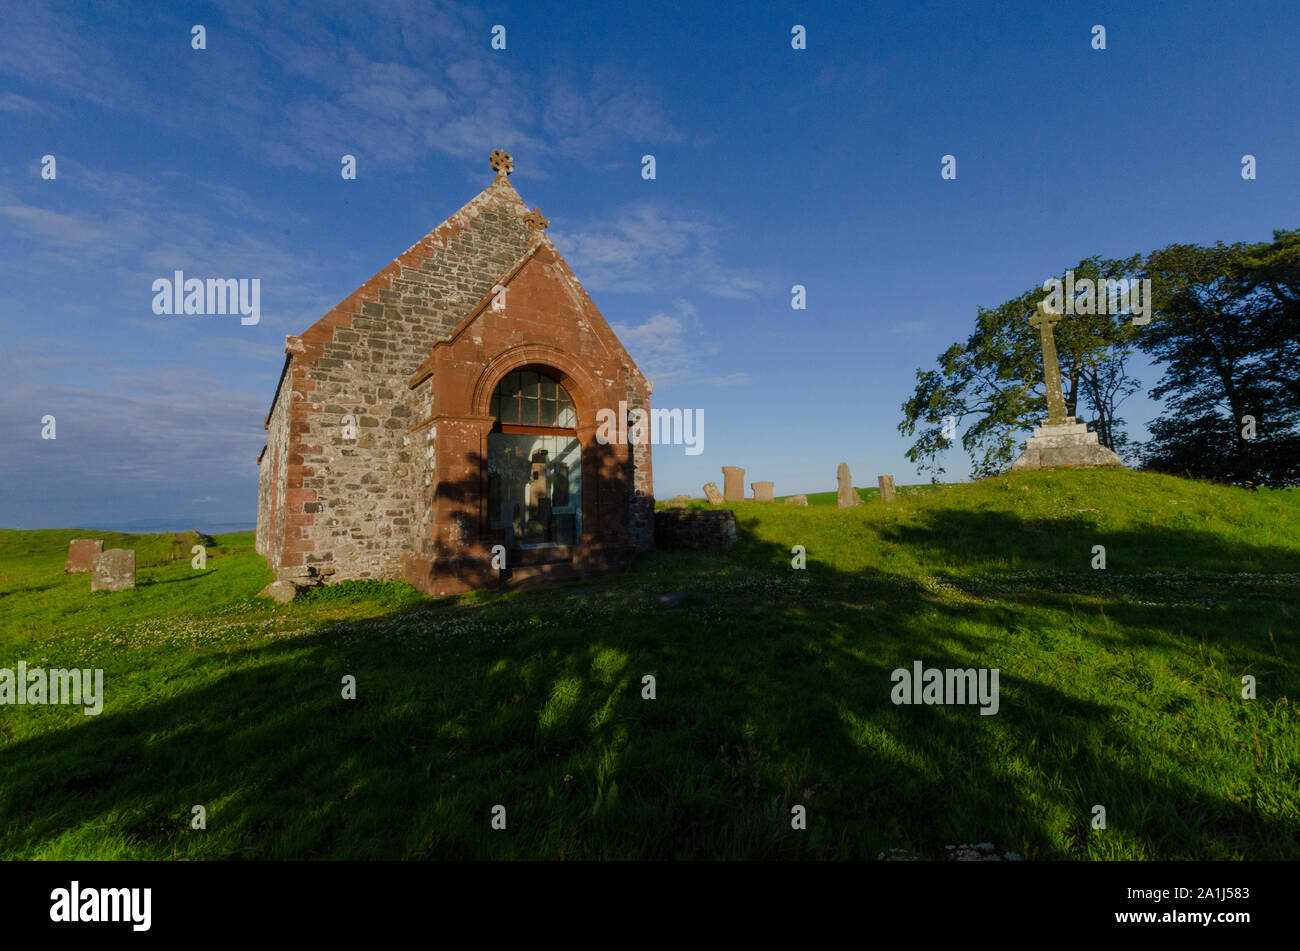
[695, 529]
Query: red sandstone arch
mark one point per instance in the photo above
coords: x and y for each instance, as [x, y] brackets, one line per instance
[583, 389]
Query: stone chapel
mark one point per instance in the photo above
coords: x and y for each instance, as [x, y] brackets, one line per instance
[447, 407]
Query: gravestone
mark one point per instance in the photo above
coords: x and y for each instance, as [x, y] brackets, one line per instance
[1061, 441]
[762, 491]
[712, 493]
[81, 555]
[797, 500]
[886, 488]
[678, 502]
[846, 496]
[733, 483]
[113, 570]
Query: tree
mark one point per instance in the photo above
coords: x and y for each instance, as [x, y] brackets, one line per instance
[993, 384]
[1226, 327]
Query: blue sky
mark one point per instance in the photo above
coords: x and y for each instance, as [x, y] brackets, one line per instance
[774, 167]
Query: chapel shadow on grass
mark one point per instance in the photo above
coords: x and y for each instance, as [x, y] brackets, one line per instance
[773, 690]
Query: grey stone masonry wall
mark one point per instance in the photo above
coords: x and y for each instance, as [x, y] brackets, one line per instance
[641, 500]
[272, 469]
[424, 448]
[695, 529]
[371, 492]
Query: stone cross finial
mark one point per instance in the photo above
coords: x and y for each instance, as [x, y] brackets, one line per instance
[1045, 320]
[501, 163]
[535, 221]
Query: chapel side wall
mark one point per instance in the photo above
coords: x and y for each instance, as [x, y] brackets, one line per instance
[271, 480]
[641, 500]
[425, 441]
[365, 502]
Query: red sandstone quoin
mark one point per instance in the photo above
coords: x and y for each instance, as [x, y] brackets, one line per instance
[448, 406]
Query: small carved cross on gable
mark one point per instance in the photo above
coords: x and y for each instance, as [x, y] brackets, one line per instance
[535, 221]
[501, 163]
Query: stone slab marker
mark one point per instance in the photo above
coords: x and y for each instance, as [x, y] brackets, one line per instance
[712, 493]
[846, 496]
[678, 502]
[797, 500]
[762, 491]
[81, 555]
[113, 570]
[886, 488]
[733, 483]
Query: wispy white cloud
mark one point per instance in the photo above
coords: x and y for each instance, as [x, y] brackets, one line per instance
[731, 379]
[595, 113]
[669, 349]
[12, 102]
[169, 434]
[46, 46]
[390, 80]
[74, 232]
[646, 250]
[239, 347]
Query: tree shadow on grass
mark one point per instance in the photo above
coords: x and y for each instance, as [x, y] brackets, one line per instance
[990, 539]
[773, 690]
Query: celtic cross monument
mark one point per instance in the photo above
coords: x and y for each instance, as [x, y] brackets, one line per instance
[1060, 442]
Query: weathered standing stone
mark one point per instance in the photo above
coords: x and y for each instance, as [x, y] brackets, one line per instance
[678, 502]
[733, 483]
[762, 491]
[846, 496]
[113, 570]
[81, 555]
[712, 493]
[886, 488]
[797, 500]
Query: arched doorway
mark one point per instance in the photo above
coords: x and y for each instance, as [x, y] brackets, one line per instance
[534, 479]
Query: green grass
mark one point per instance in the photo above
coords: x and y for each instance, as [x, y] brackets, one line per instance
[1119, 687]
[867, 495]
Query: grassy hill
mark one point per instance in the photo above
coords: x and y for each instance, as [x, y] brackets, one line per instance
[867, 495]
[1120, 687]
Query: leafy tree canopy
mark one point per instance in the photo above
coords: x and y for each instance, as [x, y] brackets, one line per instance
[992, 387]
[1226, 331]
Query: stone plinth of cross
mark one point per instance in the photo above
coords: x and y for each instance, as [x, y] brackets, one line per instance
[1045, 320]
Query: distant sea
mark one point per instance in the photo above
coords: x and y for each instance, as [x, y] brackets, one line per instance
[153, 526]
